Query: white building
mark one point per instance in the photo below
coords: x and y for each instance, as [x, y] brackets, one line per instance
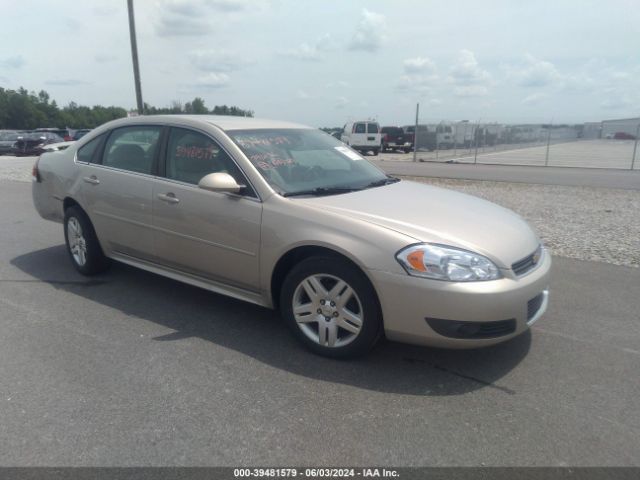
[624, 125]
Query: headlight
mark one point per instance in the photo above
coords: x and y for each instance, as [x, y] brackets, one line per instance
[446, 263]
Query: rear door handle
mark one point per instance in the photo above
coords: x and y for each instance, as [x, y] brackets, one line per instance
[168, 197]
[92, 180]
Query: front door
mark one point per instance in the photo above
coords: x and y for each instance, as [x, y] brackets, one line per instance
[209, 234]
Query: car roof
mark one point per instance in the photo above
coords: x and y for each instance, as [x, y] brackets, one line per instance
[224, 122]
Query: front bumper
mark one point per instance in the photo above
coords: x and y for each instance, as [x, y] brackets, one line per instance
[411, 304]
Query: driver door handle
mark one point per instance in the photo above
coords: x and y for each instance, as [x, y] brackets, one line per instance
[168, 197]
[93, 180]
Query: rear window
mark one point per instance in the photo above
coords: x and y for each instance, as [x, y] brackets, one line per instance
[86, 152]
[373, 128]
[359, 128]
[131, 148]
[392, 130]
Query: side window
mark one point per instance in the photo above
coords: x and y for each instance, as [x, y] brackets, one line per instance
[372, 128]
[193, 155]
[86, 152]
[360, 128]
[132, 148]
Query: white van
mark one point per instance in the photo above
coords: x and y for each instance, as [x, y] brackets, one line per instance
[363, 136]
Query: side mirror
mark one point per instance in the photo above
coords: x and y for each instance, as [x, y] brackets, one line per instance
[219, 182]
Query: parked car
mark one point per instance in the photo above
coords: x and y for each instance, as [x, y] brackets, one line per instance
[78, 134]
[64, 133]
[623, 136]
[363, 136]
[286, 216]
[394, 138]
[7, 139]
[31, 143]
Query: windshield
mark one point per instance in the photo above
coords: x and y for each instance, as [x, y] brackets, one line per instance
[8, 136]
[301, 160]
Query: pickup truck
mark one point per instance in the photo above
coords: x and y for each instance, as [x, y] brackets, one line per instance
[395, 138]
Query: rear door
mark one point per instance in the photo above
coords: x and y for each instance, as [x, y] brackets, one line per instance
[209, 234]
[373, 137]
[117, 187]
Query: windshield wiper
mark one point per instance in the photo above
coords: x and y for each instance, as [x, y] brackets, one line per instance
[384, 181]
[322, 191]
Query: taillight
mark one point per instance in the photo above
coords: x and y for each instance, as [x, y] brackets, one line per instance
[35, 173]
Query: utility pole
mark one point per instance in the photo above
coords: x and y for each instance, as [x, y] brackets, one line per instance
[635, 147]
[134, 56]
[475, 134]
[546, 157]
[415, 133]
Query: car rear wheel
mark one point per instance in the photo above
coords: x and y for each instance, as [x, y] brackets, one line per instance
[82, 243]
[331, 307]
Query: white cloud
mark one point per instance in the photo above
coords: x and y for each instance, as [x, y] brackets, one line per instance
[536, 73]
[302, 95]
[216, 60]
[213, 80]
[420, 75]
[419, 65]
[304, 51]
[470, 91]
[467, 71]
[310, 52]
[178, 18]
[337, 84]
[67, 82]
[616, 100]
[534, 98]
[182, 26]
[415, 83]
[370, 33]
[341, 102]
[229, 5]
[104, 58]
[15, 61]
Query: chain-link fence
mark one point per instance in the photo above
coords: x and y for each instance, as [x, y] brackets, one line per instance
[606, 144]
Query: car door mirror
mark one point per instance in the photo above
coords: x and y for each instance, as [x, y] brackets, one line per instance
[219, 182]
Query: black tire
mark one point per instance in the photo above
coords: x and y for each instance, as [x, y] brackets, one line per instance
[365, 300]
[408, 150]
[95, 260]
[375, 151]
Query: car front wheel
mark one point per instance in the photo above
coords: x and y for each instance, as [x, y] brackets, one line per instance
[82, 243]
[331, 307]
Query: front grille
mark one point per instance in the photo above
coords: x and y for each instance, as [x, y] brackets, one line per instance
[527, 263]
[533, 305]
[472, 330]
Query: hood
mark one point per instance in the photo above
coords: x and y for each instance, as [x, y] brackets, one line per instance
[437, 215]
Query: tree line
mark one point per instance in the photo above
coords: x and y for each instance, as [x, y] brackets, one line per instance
[24, 110]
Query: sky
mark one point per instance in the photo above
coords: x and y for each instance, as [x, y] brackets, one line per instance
[326, 62]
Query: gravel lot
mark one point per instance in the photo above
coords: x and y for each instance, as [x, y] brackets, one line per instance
[17, 169]
[584, 223]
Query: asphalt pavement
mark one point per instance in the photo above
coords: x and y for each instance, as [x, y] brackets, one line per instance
[129, 368]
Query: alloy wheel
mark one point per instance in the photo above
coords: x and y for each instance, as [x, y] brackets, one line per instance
[327, 310]
[77, 242]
